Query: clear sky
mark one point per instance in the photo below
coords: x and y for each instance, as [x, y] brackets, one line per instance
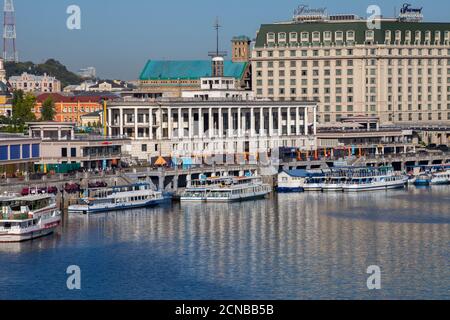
[118, 36]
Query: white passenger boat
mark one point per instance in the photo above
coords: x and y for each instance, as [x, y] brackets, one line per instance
[226, 189]
[118, 198]
[314, 183]
[440, 178]
[29, 217]
[334, 184]
[375, 179]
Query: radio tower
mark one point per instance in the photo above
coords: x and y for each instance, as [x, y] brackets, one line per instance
[10, 53]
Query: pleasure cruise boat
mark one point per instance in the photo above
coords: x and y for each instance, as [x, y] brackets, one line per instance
[375, 179]
[118, 198]
[29, 217]
[440, 178]
[226, 189]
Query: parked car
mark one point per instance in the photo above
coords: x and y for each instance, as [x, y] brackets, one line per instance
[72, 188]
[432, 146]
[98, 184]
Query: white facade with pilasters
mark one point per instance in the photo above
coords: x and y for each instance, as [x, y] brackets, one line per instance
[188, 128]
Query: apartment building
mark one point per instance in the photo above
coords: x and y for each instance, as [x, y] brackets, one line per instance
[32, 83]
[399, 71]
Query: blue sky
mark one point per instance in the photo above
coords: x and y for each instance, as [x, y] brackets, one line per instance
[118, 36]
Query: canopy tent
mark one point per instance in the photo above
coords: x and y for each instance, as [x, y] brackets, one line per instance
[161, 162]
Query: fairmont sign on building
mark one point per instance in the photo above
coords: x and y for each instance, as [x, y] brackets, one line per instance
[407, 13]
[304, 12]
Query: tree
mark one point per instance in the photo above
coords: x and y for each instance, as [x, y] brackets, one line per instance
[48, 111]
[23, 108]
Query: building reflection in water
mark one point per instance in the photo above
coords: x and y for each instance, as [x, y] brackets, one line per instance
[293, 246]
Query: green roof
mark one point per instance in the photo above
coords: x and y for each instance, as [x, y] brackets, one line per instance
[359, 27]
[188, 70]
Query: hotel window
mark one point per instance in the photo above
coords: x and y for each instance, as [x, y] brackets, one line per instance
[351, 35]
[293, 37]
[327, 36]
[316, 36]
[428, 37]
[398, 36]
[370, 34]
[339, 36]
[437, 37]
[447, 36]
[418, 37]
[270, 37]
[305, 37]
[408, 36]
[387, 36]
[282, 37]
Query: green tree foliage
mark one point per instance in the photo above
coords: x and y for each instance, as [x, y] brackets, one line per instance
[22, 111]
[51, 67]
[48, 111]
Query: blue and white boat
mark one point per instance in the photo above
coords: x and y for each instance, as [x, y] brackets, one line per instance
[292, 181]
[423, 179]
[119, 198]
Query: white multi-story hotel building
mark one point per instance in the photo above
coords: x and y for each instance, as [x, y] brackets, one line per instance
[399, 71]
[195, 127]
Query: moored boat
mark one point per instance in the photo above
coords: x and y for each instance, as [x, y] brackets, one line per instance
[119, 198]
[226, 189]
[423, 179]
[440, 178]
[28, 217]
[375, 179]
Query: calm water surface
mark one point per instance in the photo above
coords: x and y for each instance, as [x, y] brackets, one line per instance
[296, 246]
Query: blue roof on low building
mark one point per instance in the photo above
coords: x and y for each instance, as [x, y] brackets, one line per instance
[188, 69]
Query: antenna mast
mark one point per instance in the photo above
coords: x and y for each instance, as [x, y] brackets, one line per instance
[10, 53]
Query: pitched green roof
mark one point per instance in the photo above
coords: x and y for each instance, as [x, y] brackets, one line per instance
[188, 70]
[359, 27]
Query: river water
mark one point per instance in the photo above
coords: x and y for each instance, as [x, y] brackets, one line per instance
[291, 246]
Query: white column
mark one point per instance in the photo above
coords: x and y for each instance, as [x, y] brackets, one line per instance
[169, 123]
[136, 111]
[220, 123]
[261, 122]
[252, 122]
[315, 120]
[306, 121]
[239, 131]
[297, 121]
[230, 122]
[201, 129]
[150, 123]
[270, 121]
[109, 122]
[210, 122]
[280, 122]
[191, 123]
[121, 120]
[289, 131]
[180, 124]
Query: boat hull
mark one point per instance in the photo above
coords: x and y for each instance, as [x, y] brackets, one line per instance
[87, 210]
[373, 187]
[6, 237]
[290, 189]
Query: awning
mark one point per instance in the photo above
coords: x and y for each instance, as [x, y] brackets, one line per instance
[160, 162]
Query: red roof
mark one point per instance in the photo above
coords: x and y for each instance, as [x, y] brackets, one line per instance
[57, 98]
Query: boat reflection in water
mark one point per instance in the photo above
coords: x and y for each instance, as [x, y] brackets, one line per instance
[291, 246]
